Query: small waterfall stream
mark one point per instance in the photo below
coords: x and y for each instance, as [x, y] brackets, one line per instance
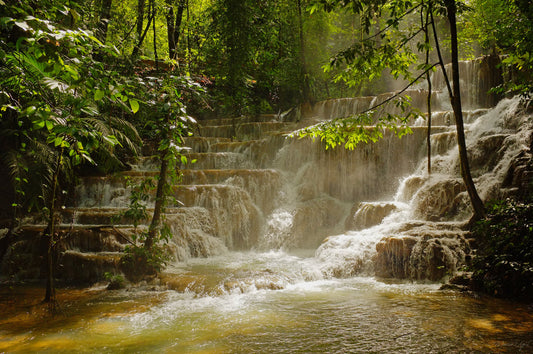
[282, 246]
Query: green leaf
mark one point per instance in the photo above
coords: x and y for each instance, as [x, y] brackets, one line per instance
[111, 139]
[98, 95]
[134, 105]
[38, 124]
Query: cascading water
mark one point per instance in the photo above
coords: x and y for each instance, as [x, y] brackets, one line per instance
[421, 237]
[282, 246]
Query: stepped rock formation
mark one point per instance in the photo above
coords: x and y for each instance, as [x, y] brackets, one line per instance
[373, 210]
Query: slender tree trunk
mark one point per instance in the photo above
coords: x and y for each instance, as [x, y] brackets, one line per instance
[303, 70]
[189, 57]
[140, 32]
[140, 18]
[155, 224]
[428, 78]
[174, 26]
[105, 17]
[477, 203]
[171, 30]
[50, 295]
[155, 35]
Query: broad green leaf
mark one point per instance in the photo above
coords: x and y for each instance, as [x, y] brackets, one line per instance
[38, 124]
[98, 95]
[134, 105]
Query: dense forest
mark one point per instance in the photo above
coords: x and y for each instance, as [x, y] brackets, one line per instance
[85, 84]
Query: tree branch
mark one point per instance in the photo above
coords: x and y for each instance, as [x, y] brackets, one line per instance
[401, 91]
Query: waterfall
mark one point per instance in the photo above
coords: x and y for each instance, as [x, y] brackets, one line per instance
[372, 211]
[419, 233]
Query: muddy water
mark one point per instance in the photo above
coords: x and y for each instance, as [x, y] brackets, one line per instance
[270, 302]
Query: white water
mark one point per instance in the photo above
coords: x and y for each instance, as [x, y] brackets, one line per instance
[325, 236]
[352, 253]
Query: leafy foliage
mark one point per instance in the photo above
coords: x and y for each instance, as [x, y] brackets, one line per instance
[504, 265]
[139, 262]
[364, 128]
[504, 27]
[386, 31]
[50, 101]
[384, 34]
[167, 123]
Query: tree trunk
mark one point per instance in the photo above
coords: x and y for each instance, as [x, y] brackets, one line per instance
[303, 70]
[152, 3]
[174, 27]
[140, 33]
[171, 30]
[428, 78]
[140, 18]
[50, 295]
[155, 224]
[105, 16]
[477, 203]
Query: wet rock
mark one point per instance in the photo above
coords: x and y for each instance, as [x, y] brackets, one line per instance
[312, 221]
[486, 154]
[393, 257]
[428, 252]
[409, 187]
[439, 200]
[461, 278]
[365, 215]
[87, 268]
[184, 282]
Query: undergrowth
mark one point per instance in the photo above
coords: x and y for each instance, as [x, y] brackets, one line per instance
[504, 264]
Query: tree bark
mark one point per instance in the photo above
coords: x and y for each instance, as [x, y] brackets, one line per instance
[50, 295]
[477, 203]
[155, 224]
[105, 16]
[140, 33]
[152, 3]
[171, 30]
[428, 78]
[140, 18]
[174, 26]
[303, 70]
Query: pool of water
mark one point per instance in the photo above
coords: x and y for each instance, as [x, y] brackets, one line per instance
[266, 303]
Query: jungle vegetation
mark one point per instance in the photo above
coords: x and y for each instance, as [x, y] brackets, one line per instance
[84, 83]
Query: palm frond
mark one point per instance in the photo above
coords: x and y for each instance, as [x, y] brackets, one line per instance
[15, 163]
[32, 64]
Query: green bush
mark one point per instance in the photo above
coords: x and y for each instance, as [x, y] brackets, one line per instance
[138, 262]
[504, 265]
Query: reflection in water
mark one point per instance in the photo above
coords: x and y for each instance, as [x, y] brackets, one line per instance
[232, 310]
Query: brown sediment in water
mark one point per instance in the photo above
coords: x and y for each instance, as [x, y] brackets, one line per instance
[23, 309]
[22, 306]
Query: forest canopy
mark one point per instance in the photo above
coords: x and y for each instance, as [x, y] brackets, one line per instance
[81, 78]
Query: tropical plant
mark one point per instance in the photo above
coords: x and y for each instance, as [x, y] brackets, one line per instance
[503, 27]
[167, 124]
[503, 266]
[50, 111]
